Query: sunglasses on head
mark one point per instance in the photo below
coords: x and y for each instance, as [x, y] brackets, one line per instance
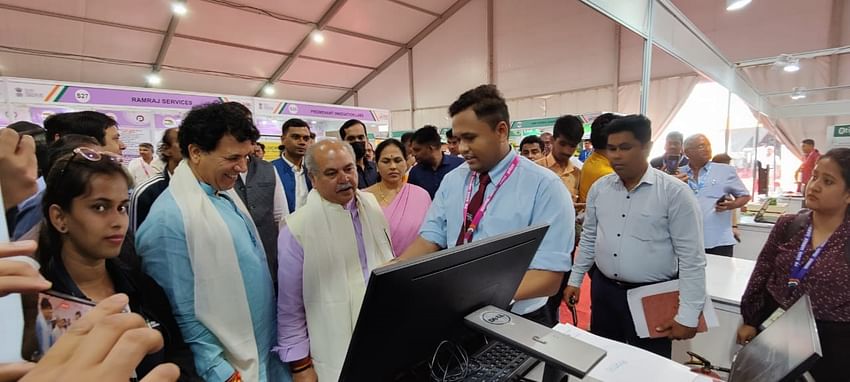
[91, 155]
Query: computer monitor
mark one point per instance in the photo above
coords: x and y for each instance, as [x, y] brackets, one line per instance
[782, 352]
[411, 306]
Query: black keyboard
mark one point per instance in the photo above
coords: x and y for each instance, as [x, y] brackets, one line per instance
[498, 362]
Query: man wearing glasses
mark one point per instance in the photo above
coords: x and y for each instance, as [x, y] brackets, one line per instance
[719, 191]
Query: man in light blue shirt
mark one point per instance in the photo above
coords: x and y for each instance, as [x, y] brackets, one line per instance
[719, 191]
[529, 195]
[642, 227]
[211, 279]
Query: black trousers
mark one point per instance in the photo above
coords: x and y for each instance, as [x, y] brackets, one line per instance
[834, 342]
[611, 318]
[722, 250]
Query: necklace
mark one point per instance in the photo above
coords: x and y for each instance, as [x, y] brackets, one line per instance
[382, 193]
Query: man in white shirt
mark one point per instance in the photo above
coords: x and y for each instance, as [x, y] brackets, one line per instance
[642, 227]
[295, 138]
[140, 168]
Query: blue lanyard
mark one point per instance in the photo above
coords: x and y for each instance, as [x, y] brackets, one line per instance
[797, 272]
[698, 185]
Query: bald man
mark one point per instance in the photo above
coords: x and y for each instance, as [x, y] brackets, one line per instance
[719, 191]
[309, 324]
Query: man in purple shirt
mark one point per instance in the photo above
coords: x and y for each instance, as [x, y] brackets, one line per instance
[322, 282]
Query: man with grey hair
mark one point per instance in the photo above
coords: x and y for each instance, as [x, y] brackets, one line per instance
[673, 157]
[312, 325]
[719, 191]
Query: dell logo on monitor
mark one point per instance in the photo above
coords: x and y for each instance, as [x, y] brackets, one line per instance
[495, 318]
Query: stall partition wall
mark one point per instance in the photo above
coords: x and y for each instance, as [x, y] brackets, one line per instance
[144, 114]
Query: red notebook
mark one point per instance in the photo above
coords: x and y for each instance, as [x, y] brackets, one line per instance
[660, 308]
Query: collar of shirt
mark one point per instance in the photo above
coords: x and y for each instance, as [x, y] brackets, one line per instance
[443, 161]
[500, 168]
[649, 177]
[291, 165]
[550, 163]
[703, 172]
[814, 153]
[209, 190]
[597, 157]
[352, 204]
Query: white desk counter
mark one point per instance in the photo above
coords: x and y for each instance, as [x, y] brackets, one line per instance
[726, 279]
[623, 363]
[795, 203]
[753, 237]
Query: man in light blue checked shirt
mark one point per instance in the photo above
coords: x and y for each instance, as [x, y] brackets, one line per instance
[642, 227]
[719, 191]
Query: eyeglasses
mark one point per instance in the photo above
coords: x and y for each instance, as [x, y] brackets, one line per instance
[91, 155]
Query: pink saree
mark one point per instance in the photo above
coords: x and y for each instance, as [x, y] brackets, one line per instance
[405, 215]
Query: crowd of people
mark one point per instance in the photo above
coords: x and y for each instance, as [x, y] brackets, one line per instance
[235, 268]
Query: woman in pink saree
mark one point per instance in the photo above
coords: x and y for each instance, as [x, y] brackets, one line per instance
[404, 205]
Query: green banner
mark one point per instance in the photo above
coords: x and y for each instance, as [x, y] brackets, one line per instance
[841, 131]
[534, 123]
[398, 134]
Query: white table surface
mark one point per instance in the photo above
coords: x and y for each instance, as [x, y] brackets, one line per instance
[727, 277]
[749, 221]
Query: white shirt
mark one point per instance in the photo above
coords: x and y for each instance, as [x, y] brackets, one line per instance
[140, 170]
[300, 183]
[574, 160]
[649, 234]
[279, 208]
[158, 165]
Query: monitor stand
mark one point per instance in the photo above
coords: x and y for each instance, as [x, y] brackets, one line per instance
[562, 354]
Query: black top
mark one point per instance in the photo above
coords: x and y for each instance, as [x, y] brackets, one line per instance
[658, 162]
[368, 175]
[146, 299]
[424, 176]
[143, 197]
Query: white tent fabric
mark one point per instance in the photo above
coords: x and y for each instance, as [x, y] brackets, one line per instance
[666, 97]
[560, 48]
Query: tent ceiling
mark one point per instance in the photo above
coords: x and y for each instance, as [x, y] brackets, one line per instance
[220, 45]
[769, 28]
[235, 46]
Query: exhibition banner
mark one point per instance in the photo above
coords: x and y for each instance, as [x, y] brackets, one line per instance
[167, 120]
[840, 136]
[38, 92]
[155, 109]
[325, 111]
[39, 114]
[308, 110]
[269, 127]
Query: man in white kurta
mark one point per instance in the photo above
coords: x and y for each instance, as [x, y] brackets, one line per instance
[141, 168]
[322, 282]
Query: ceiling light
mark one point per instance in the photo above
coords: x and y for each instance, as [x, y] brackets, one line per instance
[153, 79]
[313, 122]
[793, 65]
[788, 63]
[268, 89]
[318, 36]
[798, 93]
[179, 8]
[734, 5]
